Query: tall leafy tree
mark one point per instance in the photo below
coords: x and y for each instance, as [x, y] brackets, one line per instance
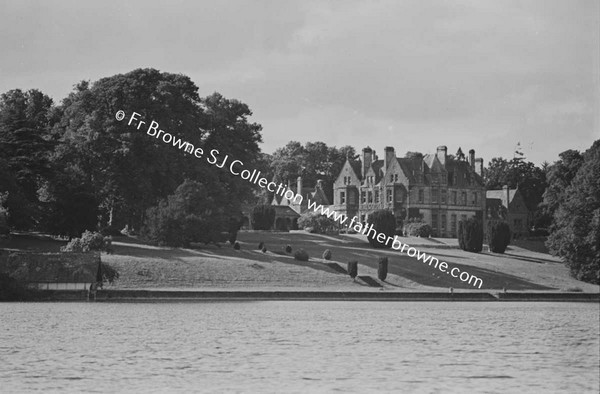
[559, 176]
[130, 171]
[576, 235]
[25, 145]
[312, 161]
[517, 172]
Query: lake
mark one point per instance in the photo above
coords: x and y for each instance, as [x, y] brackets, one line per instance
[300, 346]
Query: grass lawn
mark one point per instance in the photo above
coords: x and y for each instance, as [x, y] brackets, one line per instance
[209, 266]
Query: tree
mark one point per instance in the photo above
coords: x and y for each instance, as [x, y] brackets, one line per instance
[530, 179]
[263, 217]
[576, 230]
[559, 178]
[498, 235]
[384, 222]
[131, 171]
[313, 161]
[25, 145]
[189, 215]
[470, 233]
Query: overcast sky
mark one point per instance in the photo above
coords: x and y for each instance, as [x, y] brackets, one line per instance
[410, 74]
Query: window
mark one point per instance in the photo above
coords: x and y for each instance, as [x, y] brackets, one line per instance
[453, 224]
[391, 177]
[389, 195]
[398, 196]
[434, 195]
[395, 177]
[342, 197]
[444, 177]
[454, 195]
[370, 196]
[443, 224]
[376, 196]
[451, 178]
[363, 196]
[474, 198]
[444, 191]
[362, 218]
[463, 198]
[434, 221]
[463, 217]
[421, 196]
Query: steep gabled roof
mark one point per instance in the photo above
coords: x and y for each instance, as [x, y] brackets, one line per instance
[356, 167]
[501, 195]
[410, 167]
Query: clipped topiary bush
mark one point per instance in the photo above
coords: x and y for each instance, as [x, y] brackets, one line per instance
[264, 249]
[288, 249]
[263, 217]
[498, 233]
[236, 245]
[301, 255]
[382, 270]
[418, 228]
[471, 234]
[327, 254]
[384, 222]
[261, 245]
[353, 269]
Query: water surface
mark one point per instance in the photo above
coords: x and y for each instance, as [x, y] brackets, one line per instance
[321, 346]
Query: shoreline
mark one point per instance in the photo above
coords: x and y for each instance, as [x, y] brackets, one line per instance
[136, 295]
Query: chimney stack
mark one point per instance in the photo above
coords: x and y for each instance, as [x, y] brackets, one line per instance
[506, 190]
[479, 166]
[472, 158]
[299, 185]
[367, 160]
[442, 152]
[389, 156]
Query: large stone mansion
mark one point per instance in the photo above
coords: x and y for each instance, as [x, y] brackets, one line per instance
[440, 189]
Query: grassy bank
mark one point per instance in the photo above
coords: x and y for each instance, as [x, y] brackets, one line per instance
[144, 266]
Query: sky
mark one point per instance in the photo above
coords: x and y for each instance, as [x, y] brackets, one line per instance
[480, 74]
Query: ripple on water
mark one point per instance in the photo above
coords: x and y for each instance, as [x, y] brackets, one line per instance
[300, 346]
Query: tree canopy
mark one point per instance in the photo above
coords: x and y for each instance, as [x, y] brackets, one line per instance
[576, 225]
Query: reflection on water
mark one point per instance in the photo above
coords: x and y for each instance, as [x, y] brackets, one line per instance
[292, 346]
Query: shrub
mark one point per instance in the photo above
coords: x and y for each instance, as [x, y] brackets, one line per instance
[189, 215]
[236, 245]
[471, 234]
[353, 269]
[88, 241]
[301, 255]
[261, 245]
[13, 290]
[382, 270]
[108, 273]
[264, 249]
[418, 228]
[498, 233]
[316, 223]
[327, 254]
[384, 222]
[263, 217]
[288, 249]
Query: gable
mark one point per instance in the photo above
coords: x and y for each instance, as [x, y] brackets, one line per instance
[347, 172]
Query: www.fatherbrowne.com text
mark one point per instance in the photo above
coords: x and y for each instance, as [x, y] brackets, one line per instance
[236, 167]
